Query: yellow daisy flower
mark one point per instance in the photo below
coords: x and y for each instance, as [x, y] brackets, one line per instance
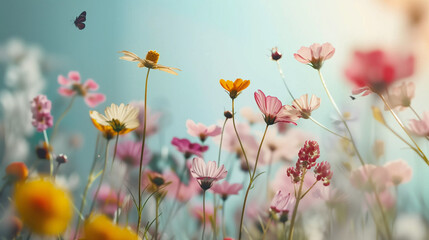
[120, 119]
[100, 227]
[42, 207]
[151, 61]
[234, 88]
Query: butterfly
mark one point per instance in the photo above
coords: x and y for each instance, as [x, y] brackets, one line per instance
[78, 22]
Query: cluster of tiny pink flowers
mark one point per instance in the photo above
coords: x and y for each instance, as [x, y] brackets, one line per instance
[323, 173]
[41, 110]
[307, 157]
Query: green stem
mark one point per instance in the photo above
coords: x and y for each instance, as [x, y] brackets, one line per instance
[310, 117]
[51, 160]
[101, 178]
[252, 178]
[403, 140]
[156, 217]
[295, 209]
[415, 113]
[141, 154]
[221, 139]
[114, 151]
[223, 219]
[204, 214]
[423, 156]
[60, 118]
[308, 190]
[88, 184]
[385, 221]
[239, 140]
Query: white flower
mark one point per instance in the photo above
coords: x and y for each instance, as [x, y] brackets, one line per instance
[121, 119]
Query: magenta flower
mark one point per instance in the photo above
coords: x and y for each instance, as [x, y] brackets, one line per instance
[273, 110]
[281, 202]
[129, 152]
[72, 86]
[225, 189]
[152, 120]
[202, 131]
[376, 70]
[184, 146]
[315, 55]
[323, 173]
[207, 174]
[399, 171]
[420, 127]
[41, 109]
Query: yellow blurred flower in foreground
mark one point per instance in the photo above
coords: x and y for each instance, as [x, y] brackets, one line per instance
[100, 227]
[43, 208]
[120, 119]
[234, 88]
[151, 61]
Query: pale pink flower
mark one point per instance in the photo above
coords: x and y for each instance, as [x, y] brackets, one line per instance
[400, 96]
[207, 174]
[386, 198]
[108, 199]
[420, 127]
[274, 111]
[370, 176]
[152, 120]
[129, 152]
[72, 85]
[202, 131]
[281, 202]
[305, 108]
[250, 115]
[315, 55]
[225, 189]
[41, 109]
[197, 212]
[179, 190]
[184, 146]
[399, 171]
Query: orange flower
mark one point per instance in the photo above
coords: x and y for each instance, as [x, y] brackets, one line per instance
[151, 61]
[234, 88]
[17, 171]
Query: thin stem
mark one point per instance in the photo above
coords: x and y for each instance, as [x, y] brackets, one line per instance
[385, 222]
[114, 151]
[239, 140]
[252, 178]
[402, 139]
[141, 154]
[415, 113]
[51, 160]
[60, 118]
[270, 163]
[156, 217]
[221, 139]
[88, 184]
[101, 178]
[223, 219]
[204, 214]
[423, 156]
[214, 217]
[56, 170]
[308, 190]
[310, 117]
[295, 209]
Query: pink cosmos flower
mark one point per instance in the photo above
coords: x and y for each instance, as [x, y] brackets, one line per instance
[152, 118]
[179, 190]
[376, 70]
[129, 152]
[41, 109]
[399, 171]
[360, 178]
[108, 200]
[400, 96]
[386, 198]
[202, 131]
[280, 202]
[250, 115]
[184, 146]
[305, 108]
[315, 55]
[225, 189]
[206, 175]
[420, 127]
[71, 86]
[274, 111]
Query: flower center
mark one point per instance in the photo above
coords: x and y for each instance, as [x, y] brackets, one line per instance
[116, 125]
[79, 89]
[152, 56]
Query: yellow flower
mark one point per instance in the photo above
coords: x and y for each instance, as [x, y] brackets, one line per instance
[234, 88]
[120, 119]
[43, 208]
[100, 227]
[151, 61]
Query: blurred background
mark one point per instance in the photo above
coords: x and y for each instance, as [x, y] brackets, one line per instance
[208, 41]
